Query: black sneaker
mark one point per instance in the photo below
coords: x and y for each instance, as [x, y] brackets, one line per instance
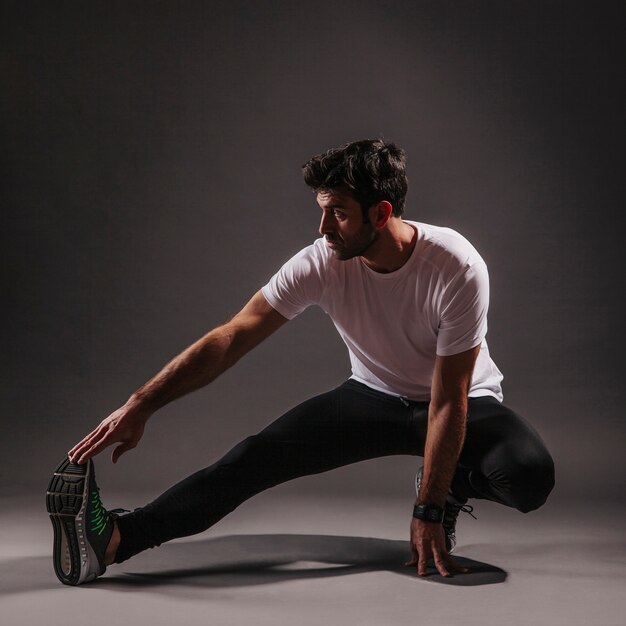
[82, 526]
[451, 510]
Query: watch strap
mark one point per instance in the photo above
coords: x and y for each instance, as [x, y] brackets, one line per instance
[428, 512]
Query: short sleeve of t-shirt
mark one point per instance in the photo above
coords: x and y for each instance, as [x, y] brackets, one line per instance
[297, 284]
[463, 320]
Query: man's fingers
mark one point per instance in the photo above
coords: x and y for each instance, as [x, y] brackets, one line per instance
[413, 559]
[94, 445]
[78, 451]
[80, 448]
[119, 450]
[441, 565]
[82, 442]
[82, 454]
[444, 563]
[455, 565]
[422, 564]
[428, 542]
[122, 427]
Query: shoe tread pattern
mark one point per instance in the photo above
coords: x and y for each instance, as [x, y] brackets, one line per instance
[64, 500]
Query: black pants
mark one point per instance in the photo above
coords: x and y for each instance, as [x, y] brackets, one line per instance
[503, 459]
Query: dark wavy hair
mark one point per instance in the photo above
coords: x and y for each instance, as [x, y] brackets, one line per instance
[372, 169]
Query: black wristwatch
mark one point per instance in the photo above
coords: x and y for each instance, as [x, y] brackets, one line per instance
[428, 513]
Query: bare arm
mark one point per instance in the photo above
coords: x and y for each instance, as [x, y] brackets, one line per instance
[195, 367]
[447, 416]
[210, 356]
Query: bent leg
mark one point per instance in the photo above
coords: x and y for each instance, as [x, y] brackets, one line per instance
[348, 424]
[503, 458]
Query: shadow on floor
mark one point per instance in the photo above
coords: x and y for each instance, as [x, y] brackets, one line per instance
[244, 560]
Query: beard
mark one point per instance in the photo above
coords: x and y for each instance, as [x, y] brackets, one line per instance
[357, 245]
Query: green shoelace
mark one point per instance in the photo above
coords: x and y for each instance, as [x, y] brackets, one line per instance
[99, 515]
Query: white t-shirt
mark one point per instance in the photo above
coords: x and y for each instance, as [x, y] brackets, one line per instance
[394, 324]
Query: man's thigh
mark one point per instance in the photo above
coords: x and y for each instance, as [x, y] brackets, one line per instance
[348, 424]
[495, 430]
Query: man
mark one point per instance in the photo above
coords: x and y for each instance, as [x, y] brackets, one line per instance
[410, 301]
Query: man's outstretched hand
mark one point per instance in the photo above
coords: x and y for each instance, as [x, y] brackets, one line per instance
[428, 541]
[124, 426]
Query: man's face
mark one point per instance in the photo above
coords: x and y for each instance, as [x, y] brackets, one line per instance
[342, 225]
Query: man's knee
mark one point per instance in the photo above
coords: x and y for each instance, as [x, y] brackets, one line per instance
[531, 482]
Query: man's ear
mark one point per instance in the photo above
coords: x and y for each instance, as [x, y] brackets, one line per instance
[380, 213]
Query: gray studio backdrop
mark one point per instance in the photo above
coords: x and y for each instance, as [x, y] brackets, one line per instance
[151, 184]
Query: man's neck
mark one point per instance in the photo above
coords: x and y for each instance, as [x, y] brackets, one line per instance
[393, 247]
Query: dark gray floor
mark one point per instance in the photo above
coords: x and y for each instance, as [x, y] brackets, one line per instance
[315, 560]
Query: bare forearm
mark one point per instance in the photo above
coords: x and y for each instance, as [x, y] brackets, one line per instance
[207, 358]
[195, 367]
[447, 418]
[444, 440]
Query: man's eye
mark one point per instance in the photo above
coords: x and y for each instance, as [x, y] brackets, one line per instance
[338, 214]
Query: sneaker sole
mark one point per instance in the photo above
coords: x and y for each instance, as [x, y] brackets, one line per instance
[66, 501]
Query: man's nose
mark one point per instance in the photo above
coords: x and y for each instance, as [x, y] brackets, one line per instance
[326, 225]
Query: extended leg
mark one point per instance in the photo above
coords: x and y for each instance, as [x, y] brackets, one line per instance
[349, 424]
